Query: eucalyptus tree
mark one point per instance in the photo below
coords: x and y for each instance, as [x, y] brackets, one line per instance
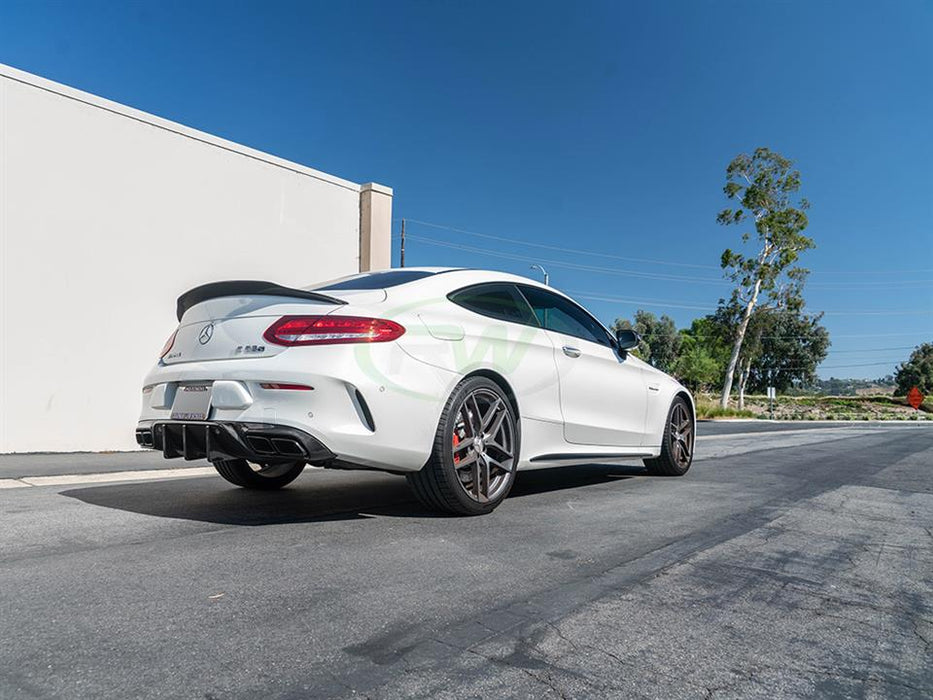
[763, 186]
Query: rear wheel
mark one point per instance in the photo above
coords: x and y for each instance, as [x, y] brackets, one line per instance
[677, 443]
[472, 466]
[264, 477]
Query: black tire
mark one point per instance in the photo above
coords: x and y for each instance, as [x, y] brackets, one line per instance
[464, 475]
[264, 477]
[677, 442]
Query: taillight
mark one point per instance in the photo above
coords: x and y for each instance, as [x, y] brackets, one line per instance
[329, 330]
[168, 344]
[286, 387]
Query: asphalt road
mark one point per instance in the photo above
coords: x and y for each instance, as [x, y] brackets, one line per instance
[14, 466]
[791, 562]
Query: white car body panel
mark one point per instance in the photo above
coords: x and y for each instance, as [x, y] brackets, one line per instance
[601, 405]
[613, 415]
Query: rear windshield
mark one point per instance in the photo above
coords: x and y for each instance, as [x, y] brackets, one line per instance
[376, 280]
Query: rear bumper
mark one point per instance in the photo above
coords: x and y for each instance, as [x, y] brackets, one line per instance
[231, 440]
[373, 407]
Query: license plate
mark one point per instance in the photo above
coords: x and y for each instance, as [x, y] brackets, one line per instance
[192, 402]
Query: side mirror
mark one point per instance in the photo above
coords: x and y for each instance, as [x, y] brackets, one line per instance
[627, 339]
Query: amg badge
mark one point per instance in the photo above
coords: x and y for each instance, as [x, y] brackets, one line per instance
[244, 349]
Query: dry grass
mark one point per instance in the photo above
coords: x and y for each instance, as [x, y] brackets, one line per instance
[819, 408]
[707, 408]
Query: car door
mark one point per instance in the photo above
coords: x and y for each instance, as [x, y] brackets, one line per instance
[504, 335]
[603, 396]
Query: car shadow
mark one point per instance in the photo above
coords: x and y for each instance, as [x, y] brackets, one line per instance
[320, 496]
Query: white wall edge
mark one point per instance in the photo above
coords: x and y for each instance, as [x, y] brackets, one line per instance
[376, 187]
[174, 127]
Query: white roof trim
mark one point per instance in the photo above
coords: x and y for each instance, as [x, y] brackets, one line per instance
[159, 123]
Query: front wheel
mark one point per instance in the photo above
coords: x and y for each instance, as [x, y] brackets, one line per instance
[677, 442]
[472, 465]
[262, 477]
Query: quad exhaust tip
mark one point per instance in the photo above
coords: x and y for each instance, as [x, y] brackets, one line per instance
[268, 445]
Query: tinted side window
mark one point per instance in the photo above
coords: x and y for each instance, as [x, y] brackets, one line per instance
[558, 314]
[501, 301]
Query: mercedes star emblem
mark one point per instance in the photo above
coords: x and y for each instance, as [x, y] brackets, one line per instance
[204, 337]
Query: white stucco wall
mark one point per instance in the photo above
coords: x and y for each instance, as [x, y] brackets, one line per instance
[107, 214]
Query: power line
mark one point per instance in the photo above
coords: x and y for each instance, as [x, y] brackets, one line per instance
[658, 302]
[580, 251]
[858, 364]
[879, 335]
[570, 266]
[896, 312]
[906, 284]
[903, 347]
[644, 302]
[900, 284]
[921, 270]
[560, 249]
[789, 337]
[821, 367]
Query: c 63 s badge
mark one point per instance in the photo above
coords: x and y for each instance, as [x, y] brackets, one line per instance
[249, 349]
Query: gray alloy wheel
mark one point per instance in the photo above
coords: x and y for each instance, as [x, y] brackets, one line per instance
[483, 445]
[677, 443]
[263, 477]
[472, 467]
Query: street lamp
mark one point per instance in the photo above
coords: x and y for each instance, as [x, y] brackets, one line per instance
[543, 272]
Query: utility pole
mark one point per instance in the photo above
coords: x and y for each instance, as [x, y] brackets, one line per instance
[544, 272]
[402, 254]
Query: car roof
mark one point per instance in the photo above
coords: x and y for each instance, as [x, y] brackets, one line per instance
[436, 282]
[400, 277]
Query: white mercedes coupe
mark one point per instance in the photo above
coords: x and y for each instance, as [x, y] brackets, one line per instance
[455, 378]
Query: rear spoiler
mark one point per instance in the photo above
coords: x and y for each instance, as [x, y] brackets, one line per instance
[235, 288]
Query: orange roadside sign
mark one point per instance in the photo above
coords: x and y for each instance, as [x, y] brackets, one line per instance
[915, 398]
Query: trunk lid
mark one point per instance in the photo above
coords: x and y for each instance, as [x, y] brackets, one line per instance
[232, 327]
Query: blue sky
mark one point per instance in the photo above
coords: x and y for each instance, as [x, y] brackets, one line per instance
[600, 127]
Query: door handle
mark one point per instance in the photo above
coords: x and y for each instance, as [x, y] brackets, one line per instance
[571, 352]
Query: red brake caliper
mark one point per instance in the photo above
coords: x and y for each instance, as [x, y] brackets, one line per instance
[456, 442]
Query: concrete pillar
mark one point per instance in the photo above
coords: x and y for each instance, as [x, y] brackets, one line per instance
[375, 227]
